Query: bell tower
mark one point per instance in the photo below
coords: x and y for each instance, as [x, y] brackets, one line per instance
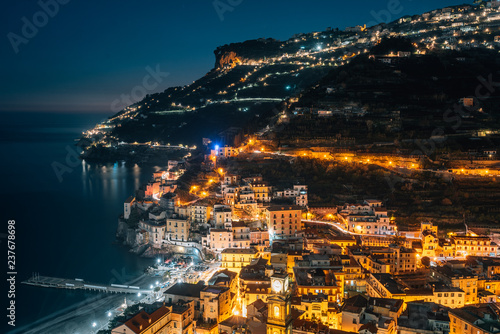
[279, 317]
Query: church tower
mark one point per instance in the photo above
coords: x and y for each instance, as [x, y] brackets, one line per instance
[279, 319]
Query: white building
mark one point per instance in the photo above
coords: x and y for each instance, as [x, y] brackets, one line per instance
[223, 216]
[127, 207]
[199, 213]
[367, 218]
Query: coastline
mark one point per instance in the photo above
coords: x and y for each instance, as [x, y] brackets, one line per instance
[78, 318]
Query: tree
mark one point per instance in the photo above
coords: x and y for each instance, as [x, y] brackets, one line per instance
[394, 45]
[426, 261]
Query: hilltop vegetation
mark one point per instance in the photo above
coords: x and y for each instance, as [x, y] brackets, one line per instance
[398, 80]
[404, 101]
[418, 197]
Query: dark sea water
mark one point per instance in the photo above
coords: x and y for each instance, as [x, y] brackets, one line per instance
[64, 227]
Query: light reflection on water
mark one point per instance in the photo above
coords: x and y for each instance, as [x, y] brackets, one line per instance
[67, 228]
[112, 178]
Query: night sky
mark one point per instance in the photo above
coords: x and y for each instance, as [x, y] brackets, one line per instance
[90, 52]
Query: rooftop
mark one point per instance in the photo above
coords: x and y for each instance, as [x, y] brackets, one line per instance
[273, 208]
[142, 320]
[186, 290]
[484, 316]
[239, 251]
[389, 283]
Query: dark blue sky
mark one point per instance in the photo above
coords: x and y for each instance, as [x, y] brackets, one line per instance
[90, 52]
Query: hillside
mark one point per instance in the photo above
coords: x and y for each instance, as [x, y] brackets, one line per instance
[416, 98]
[254, 82]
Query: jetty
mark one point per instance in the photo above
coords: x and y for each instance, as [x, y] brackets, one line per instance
[78, 283]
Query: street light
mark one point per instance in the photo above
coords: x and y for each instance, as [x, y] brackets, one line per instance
[109, 314]
[94, 324]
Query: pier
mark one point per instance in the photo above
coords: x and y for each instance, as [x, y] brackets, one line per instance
[77, 283]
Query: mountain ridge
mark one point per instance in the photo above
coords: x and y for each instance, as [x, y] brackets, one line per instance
[254, 81]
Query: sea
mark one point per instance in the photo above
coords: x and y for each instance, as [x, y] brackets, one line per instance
[65, 212]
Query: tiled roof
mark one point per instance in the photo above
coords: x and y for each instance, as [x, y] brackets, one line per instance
[141, 321]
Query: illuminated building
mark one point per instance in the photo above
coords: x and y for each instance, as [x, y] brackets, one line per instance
[216, 304]
[279, 319]
[223, 216]
[317, 308]
[262, 191]
[327, 281]
[225, 151]
[234, 259]
[199, 213]
[284, 221]
[430, 240]
[460, 277]
[155, 231]
[392, 260]
[241, 235]
[166, 319]
[177, 228]
[381, 314]
[182, 318]
[225, 278]
[475, 319]
[466, 245]
[127, 207]
[449, 296]
[218, 239]
[367, 218]
[255, 283]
